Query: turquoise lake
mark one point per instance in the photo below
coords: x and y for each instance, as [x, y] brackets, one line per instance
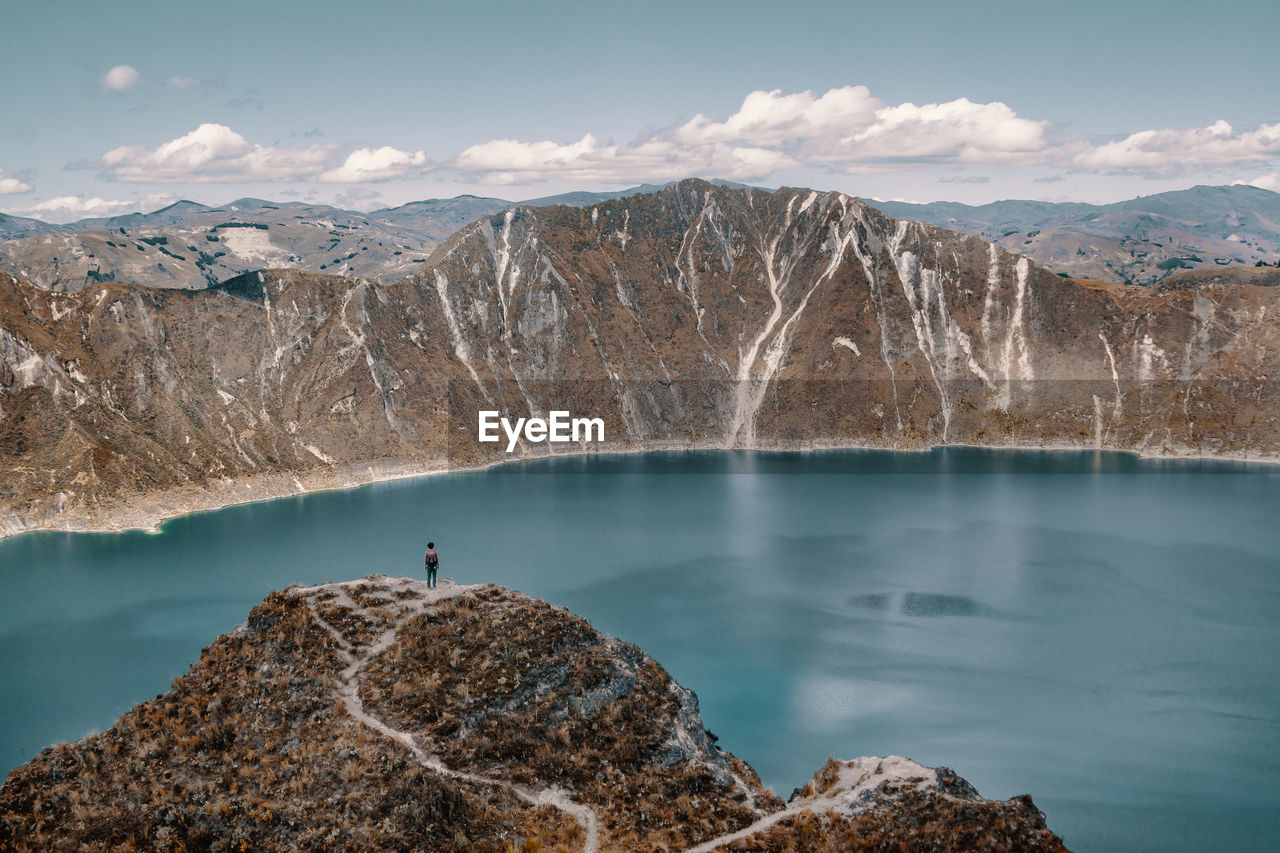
[1094, 629]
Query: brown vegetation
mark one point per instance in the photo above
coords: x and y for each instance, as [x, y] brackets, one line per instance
[382, 715]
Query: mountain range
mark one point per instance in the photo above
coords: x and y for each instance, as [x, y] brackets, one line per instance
[190, 245]
[1138, 241]
[695, 316]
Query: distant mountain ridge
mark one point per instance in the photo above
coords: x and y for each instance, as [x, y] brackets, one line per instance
[1137, 241]
[189, 245]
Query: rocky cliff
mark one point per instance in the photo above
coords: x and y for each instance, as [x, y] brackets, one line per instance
[699, 315]
[382, 715]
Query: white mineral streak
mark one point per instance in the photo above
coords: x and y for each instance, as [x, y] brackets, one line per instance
[946, 348]
[1148, 357]
[842, 341]
[877, 297]
[1117, 410]
[623, 236]
[359, 342]
[317, 453]
[506, 277]
[460, 346]
[989, 302]
[1015, 358]
[29, 367]
[1097, 421]
[688, 279]
[749, 394]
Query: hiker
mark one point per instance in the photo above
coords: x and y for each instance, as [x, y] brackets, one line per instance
[433, 562]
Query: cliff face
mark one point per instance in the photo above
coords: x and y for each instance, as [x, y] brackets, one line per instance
[380, 715]
[697, 315]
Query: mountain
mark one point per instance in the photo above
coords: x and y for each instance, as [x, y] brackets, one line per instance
[174, 214]
[191, 245]
[381, 715]
[697, 316]
[437, 218]
[12, 227]
[1138, 241]
[188, 245]
[585, 199]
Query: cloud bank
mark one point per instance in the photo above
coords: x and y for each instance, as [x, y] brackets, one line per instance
[214, 153]
[845, 130]
[70, 208]
[376, 164]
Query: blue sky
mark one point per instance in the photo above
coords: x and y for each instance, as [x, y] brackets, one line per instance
[116, 107]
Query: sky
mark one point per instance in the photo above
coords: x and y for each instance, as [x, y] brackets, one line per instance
[117, 107]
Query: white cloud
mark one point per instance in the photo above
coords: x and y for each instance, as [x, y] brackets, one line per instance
[509, 161]
[12, 185]
[122, 78]
[69, 208]
[214, 153]
[850, 129]
[772, 118]
[846, 128]
[376, 164]
[1270, 181]
[1167, 150]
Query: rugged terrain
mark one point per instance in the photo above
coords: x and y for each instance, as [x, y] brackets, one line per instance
[382, 715]
[699, 315]
[189, 245]
[1137, 241]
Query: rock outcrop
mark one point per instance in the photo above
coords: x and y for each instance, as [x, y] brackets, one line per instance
[696, 316]
[382, 715]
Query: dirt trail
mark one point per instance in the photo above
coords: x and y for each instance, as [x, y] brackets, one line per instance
[349, 681]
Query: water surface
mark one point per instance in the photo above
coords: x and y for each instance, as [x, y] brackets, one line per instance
[1097, 630]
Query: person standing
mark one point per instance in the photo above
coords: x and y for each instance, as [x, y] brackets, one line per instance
[432, 560]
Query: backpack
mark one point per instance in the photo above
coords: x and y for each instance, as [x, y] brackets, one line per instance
[433, 559]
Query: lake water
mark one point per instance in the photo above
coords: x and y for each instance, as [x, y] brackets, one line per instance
[1097, 630]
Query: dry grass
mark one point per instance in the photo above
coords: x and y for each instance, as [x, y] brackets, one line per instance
[911, 821]
[249, 752]
[253, 749]
[516, 688]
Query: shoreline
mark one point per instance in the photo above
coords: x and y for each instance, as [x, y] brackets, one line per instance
[137, 513]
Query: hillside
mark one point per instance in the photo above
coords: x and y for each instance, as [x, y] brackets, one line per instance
[381, 715]
[1137, 241]
[190, 246]
[695, 316]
